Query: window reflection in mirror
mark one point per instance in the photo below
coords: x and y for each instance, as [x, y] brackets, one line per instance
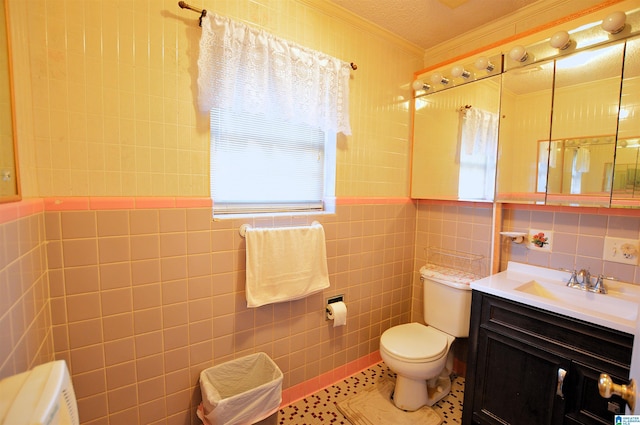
[585, 105]
[525, 119]
[455, 141]
[579, 166]
[626, 178]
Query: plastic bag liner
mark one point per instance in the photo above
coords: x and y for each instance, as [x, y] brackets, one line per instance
[241, 391]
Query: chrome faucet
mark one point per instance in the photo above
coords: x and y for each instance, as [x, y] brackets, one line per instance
[582, 280]
[573, 279]
[599, 286]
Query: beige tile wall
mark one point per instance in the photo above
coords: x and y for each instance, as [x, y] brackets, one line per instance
[143, 300]
[107, 94]
[26, 339]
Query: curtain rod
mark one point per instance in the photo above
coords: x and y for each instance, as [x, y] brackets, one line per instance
[203, 13]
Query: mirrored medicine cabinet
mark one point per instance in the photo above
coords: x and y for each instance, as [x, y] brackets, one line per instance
[626, 170]
[455, 142]
[9, 181]
[568, 132]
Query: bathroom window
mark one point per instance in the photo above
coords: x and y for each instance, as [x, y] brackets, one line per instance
[275, 109]
[261, 164]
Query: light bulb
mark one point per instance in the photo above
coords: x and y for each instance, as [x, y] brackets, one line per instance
[518, 53]
[438, 78]
[459, 71]
[483, 64]
[614, 22]
[420, 85]
[560, 40]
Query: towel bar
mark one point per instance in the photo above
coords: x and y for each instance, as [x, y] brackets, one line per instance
[243, 228]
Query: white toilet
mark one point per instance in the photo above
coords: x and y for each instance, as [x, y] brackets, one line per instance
[419, 354]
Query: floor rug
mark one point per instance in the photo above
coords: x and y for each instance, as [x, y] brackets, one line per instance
[373, 406]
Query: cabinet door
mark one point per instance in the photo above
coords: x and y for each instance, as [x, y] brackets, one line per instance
[626, 178]
[516, 383]
[584, 405]
[583, 128]
[525, 126]
[455, 136]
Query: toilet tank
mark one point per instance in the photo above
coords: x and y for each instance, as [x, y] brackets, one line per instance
[447, 305]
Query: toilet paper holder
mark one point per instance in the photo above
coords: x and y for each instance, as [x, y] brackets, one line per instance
[331, 300]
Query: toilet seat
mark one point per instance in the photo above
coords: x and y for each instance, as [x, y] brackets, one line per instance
[414, 343]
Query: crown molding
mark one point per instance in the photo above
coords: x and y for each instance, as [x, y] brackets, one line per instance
[529, 20]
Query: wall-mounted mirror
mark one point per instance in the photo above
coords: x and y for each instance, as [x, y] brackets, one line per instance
[626, 178]
[569, 125]
[564, 157]
[454, 142]
[585, 163]
[585, 118]
[9, 181]
[525, 111]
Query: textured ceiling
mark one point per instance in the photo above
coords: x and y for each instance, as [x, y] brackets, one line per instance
[427, 23]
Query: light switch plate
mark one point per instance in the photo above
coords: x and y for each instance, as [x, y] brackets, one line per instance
[621, 250]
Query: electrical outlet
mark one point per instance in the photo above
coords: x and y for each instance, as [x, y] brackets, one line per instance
[621, 250]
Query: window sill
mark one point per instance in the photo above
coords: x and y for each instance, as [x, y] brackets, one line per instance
[223, 217]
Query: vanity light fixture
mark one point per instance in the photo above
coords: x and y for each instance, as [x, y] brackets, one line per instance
[420, 85]
[518, 53]
[614, 22]
[483, 63]
[560, 40]
[459, 71]
[623, 114]
[438, 78]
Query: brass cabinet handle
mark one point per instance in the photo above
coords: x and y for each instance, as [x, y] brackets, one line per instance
[561, 374]
[607, 388]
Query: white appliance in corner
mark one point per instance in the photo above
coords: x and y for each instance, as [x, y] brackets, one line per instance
[41, 396]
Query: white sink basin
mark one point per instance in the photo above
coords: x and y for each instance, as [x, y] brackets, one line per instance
[546, 288]
[610, 304]
[535, 288]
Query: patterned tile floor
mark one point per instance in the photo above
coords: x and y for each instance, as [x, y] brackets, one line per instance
[320, 408]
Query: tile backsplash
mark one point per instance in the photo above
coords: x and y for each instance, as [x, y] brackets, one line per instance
[578, 238]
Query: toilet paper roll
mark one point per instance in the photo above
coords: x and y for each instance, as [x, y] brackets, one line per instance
[338, 313]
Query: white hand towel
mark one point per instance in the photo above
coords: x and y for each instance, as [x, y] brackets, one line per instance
[285, 264]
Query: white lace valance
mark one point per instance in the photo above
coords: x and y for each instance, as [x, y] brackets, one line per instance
[246, 69]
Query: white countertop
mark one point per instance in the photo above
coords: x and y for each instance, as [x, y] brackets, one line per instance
[546, 289]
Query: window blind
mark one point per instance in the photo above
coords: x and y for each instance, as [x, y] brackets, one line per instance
[264, 164]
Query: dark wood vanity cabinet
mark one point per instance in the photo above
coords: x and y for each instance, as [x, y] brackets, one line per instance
[528, 366]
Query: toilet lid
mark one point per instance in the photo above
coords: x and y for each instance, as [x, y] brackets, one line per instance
[413, 342]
